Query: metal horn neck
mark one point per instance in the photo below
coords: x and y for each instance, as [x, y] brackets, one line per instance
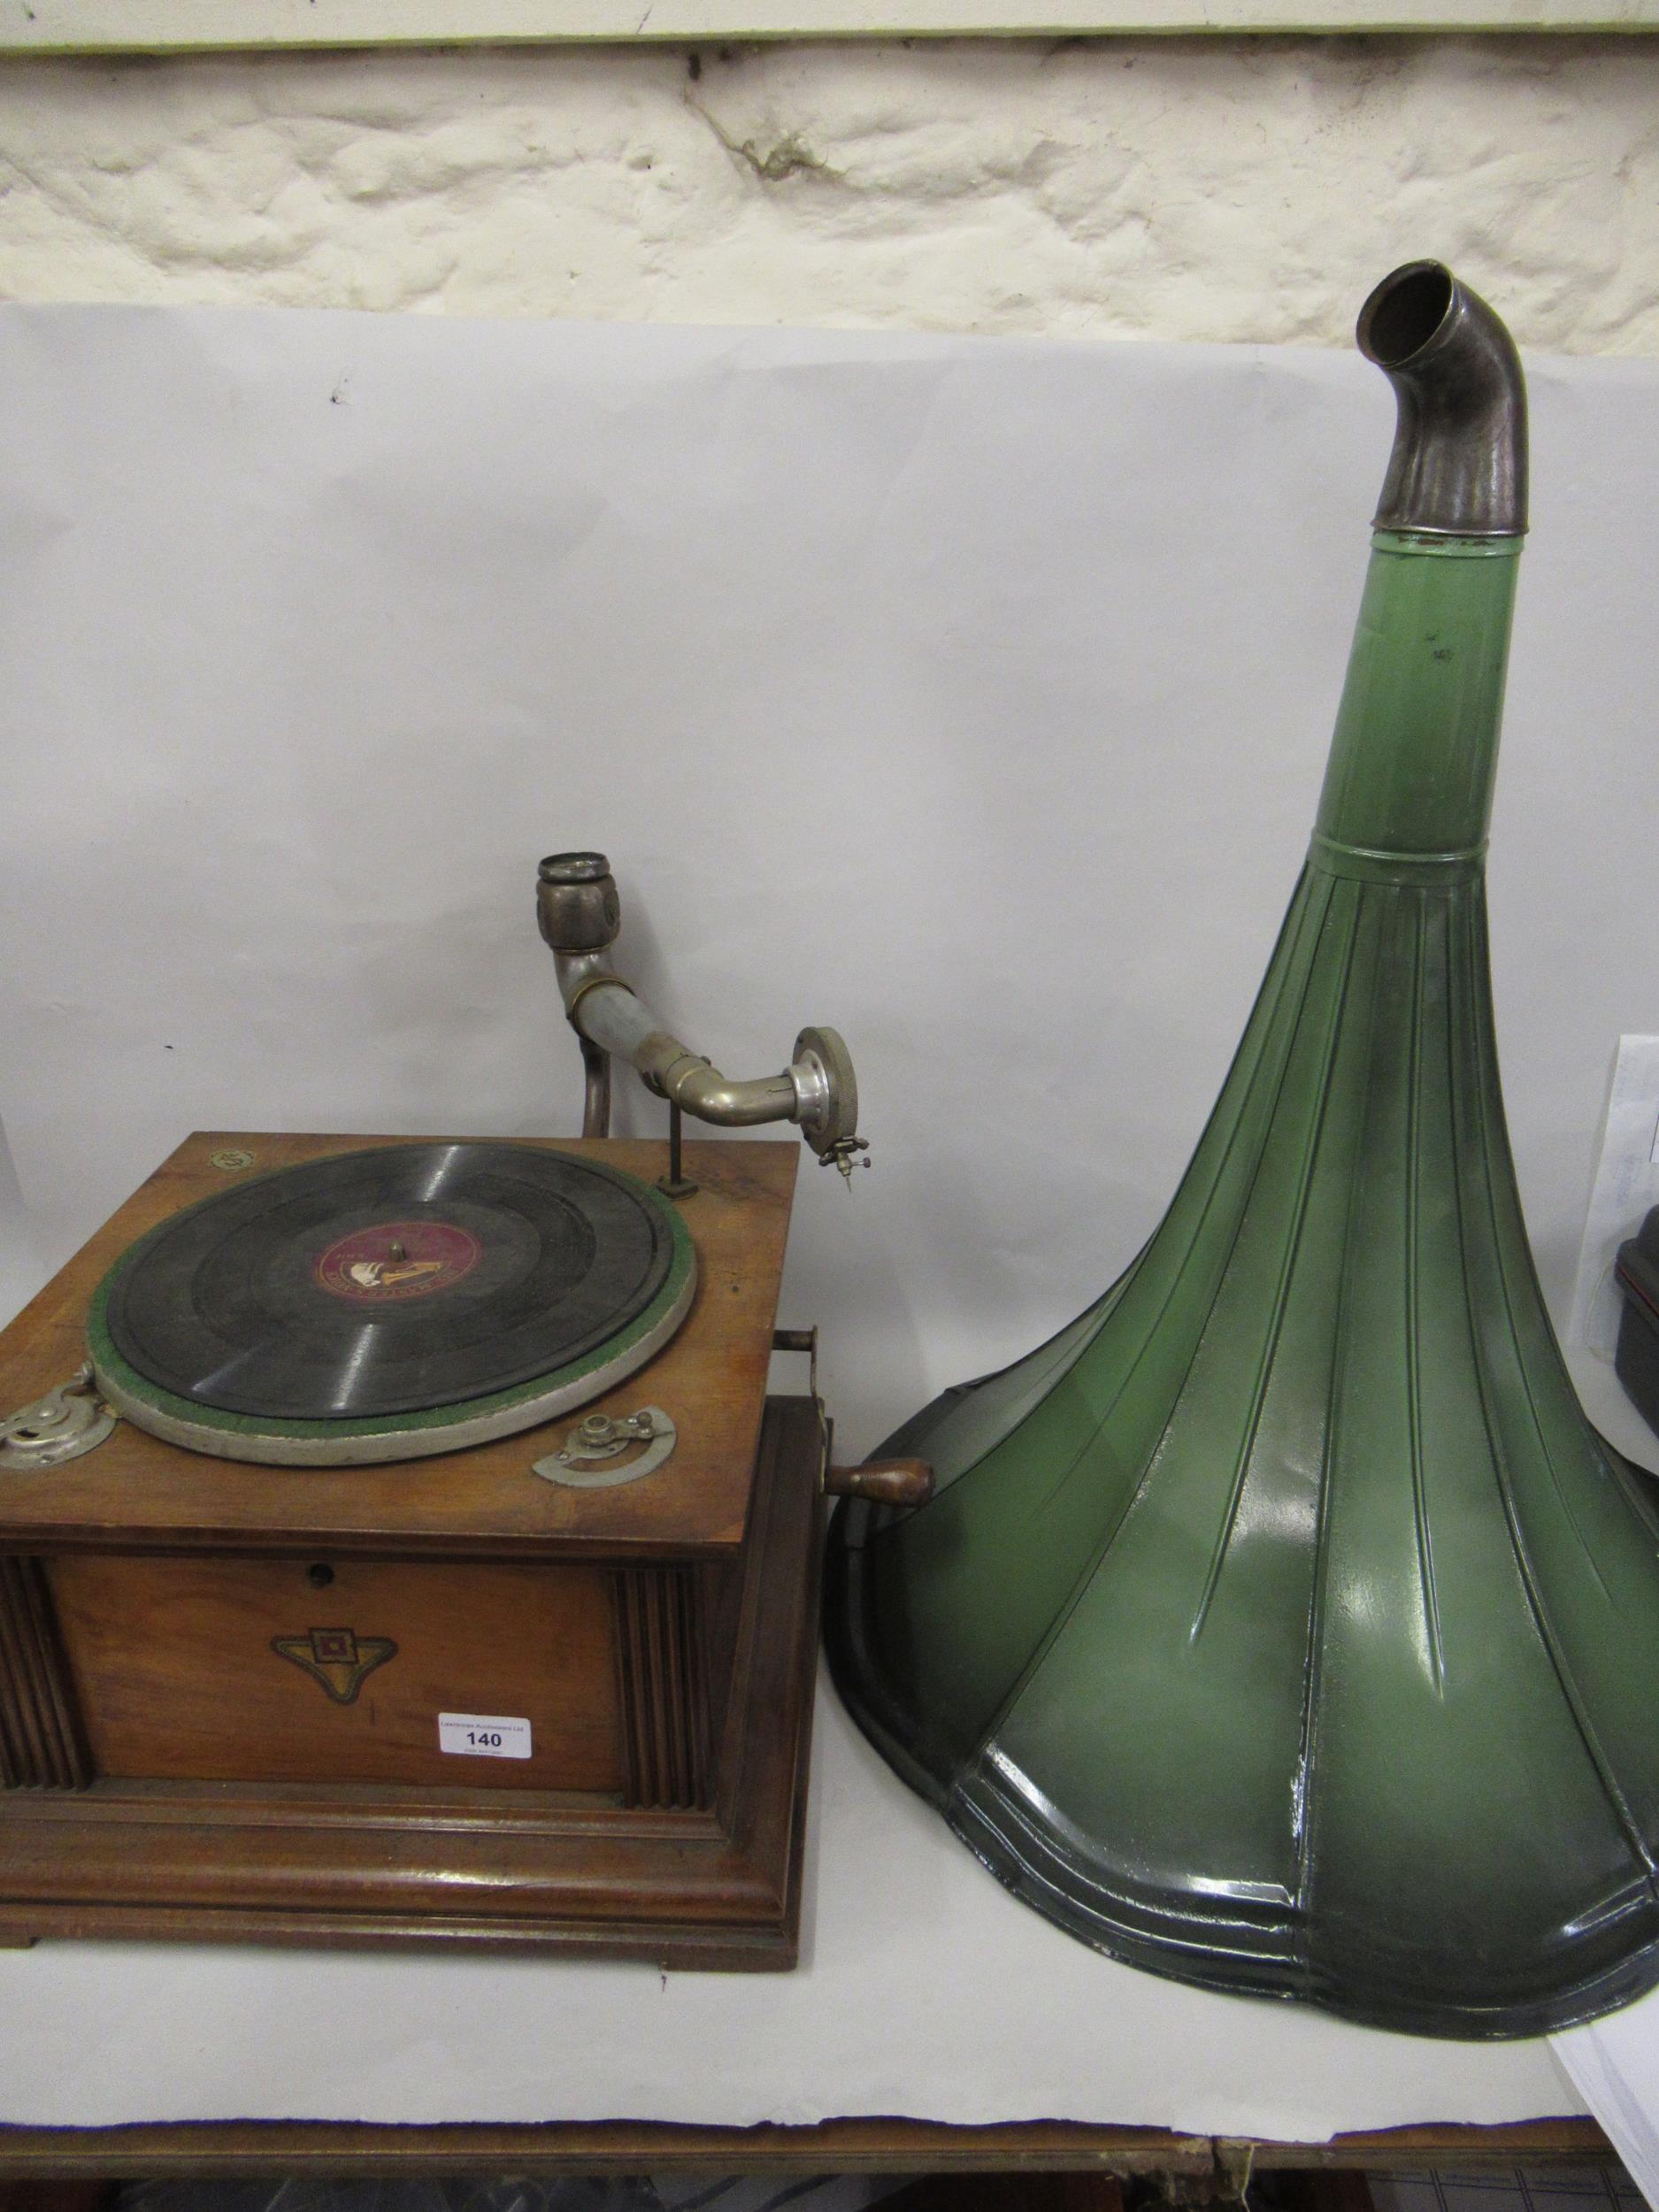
[1458, 468]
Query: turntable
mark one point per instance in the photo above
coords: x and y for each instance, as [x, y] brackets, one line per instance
[398, 1541]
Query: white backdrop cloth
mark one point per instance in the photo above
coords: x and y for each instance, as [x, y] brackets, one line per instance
[969, 695]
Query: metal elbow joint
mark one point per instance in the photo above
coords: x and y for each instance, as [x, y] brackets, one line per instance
[696, 1086]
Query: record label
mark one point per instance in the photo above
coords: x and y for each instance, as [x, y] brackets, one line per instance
[393, 1261]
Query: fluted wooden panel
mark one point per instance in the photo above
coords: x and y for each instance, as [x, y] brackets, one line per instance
[664, 1686]
[42, 1746]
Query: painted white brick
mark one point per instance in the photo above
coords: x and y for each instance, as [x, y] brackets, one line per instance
[1182, 188]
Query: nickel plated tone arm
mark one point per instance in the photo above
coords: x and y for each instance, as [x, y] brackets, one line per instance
[579, 915]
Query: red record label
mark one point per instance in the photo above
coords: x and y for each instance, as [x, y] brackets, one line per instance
[398, 1260]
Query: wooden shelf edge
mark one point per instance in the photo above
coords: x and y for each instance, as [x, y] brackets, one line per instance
[224, 2147]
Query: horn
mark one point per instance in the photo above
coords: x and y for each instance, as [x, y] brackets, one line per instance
[1282, 1625]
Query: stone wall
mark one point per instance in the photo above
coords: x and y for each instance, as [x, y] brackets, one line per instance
[1222, 188]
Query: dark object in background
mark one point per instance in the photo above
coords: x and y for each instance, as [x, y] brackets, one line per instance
[1636, 1363]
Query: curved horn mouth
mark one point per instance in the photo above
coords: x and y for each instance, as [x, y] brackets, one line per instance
[1404, 313]
[1458, 468]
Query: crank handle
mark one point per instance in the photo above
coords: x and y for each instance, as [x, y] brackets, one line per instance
[882, 1482]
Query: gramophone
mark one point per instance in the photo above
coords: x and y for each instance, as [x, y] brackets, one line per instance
[400, 1541]
[1282, 1625]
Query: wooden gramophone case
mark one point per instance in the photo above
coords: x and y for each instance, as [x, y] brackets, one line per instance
[221, 1683]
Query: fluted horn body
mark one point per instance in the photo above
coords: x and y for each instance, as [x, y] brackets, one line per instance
[1282, 1625]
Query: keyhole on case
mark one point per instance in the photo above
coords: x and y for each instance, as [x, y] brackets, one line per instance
[319, 1576]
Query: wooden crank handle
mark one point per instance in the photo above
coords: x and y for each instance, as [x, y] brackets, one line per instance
[883, 1481]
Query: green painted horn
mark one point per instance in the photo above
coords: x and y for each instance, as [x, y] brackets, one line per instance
[1282, 1625]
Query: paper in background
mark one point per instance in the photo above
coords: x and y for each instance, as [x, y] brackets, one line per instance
[1613, 2064]
[969, 696]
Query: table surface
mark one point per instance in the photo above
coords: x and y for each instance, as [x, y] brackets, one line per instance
[925, 1989]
